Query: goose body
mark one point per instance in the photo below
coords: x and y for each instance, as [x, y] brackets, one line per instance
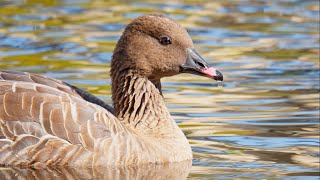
[46, 122]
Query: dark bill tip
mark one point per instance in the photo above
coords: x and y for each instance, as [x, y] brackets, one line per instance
[218, 76]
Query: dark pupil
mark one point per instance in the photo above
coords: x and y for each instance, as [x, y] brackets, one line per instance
[165, 40]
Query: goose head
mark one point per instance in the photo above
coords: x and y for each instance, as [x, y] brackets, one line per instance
[154, 46]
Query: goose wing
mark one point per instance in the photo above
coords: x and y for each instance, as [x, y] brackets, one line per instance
[10, 75]
[45, 120]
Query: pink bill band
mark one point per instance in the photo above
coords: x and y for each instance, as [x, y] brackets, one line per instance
[210, 72]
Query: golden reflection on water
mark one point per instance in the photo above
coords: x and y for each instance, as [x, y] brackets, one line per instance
[264, 123]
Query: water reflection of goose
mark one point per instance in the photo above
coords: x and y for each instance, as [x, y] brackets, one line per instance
[174, 171]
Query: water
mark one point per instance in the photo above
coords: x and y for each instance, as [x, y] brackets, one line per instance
[264, 122]
[220, 84]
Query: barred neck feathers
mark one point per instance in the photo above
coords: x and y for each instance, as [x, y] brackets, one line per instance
[139, 103]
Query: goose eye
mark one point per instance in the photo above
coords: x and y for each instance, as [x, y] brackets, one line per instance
[165, 40]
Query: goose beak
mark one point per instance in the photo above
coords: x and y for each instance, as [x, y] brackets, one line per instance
[195, 64]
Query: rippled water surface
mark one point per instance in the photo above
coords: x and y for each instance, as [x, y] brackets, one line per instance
[264, 123]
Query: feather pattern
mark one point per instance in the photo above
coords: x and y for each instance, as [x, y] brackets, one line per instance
[49, 124]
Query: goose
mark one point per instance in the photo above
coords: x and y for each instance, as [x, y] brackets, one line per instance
[46, 122]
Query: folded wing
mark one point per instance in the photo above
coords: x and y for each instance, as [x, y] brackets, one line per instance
[45, 121]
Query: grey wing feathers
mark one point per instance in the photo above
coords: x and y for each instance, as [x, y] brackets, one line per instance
[43, 120]
[60, 85]
[9, 75]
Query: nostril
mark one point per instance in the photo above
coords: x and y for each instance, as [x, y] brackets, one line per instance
[200, 64]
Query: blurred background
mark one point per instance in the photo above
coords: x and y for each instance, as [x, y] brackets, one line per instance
[264, 122]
